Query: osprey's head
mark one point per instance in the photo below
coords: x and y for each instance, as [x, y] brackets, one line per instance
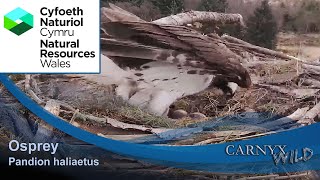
[231, 71]
[229, 76]
[235, 72]
[243, 79]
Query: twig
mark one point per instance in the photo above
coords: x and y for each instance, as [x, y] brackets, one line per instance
[124, 137]
[312, 82]
[121, 125]
[53, 107]
[91, 118]
[74, 116]
[227, 138]
[118, 124]
[292, 176]
[209, 141]
[272, 176]
[29, 90]
[311, 69]
[310, 115]
[223, 136]
[275, 177]
[35, 85]
[20, 82]
[254, 136]
[65, 105]
[297, 93]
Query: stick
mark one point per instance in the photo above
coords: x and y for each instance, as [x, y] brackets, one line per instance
[272, 176]
[311, 68]
[30, 91]
[297, 93]
[314, 63]
[91, 118]
[74, 116]
[121, 125]
[312, 82]
[223, 136]
[310, 115]
[265, 51]
[115, 13]
[118, 124]
[53, 107]
[124, 137]
[65, 105]
[202, 17]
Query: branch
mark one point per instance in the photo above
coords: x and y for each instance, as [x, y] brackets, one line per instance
[314, 62]
[115, 13]
[313, 69]
[53, 107]
[29, 90]
[250, 47]
[202, 17]
[312, 83]
[124, 137]
[118, 124]
[297, 93]
[310, 115]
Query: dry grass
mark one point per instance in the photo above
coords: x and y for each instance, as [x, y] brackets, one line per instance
[304, 46]
[135, 115]
[116, 108]
[256, 99]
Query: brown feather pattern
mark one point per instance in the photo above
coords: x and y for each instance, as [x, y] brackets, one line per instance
[150, 41]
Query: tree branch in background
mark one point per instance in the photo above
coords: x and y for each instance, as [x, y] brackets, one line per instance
[245, 46]
[115, 13]
[202, 17]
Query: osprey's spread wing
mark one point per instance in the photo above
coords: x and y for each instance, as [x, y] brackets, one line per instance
[136, 43]
[162, 63]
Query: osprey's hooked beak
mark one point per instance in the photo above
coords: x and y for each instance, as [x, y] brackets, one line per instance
[238, 74]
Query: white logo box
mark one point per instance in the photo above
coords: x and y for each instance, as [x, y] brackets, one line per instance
[22, 54]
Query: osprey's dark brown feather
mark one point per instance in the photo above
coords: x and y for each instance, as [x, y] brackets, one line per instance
[174, 44]
[120, 50]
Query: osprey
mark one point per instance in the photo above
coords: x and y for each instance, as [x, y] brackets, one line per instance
[153, 65]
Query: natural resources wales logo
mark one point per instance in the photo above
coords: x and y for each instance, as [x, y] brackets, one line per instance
[18, 21]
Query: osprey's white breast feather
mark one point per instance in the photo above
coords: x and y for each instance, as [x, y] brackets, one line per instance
[163, 84]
